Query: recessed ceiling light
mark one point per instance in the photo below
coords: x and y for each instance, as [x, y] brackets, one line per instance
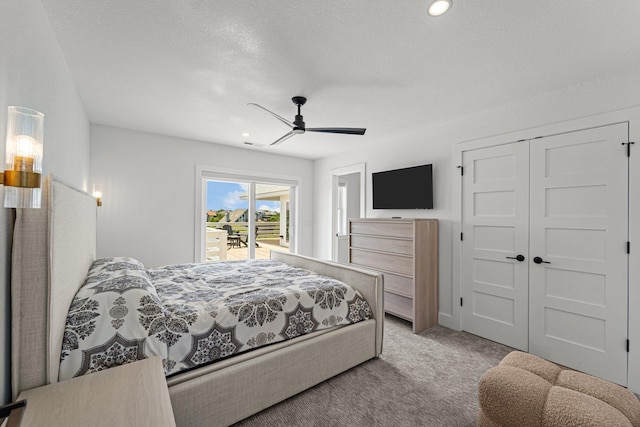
[245, 134]
[439, 7]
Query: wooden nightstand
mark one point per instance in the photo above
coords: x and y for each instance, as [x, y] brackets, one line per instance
[134, 394]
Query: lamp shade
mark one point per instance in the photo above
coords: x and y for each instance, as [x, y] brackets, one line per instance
[24, 149]
[97, 193]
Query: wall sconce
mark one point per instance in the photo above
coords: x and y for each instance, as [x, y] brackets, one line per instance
[97, 193]
[21, 177]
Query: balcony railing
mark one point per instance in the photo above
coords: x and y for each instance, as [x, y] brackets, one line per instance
[268, 234]
[265, 230]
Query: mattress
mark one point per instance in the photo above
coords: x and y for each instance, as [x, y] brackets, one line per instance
[196, 314]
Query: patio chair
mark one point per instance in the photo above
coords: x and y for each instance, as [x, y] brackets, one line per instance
[233, 240]
[244, 238]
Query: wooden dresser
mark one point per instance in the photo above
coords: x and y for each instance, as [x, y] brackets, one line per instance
[406, 252]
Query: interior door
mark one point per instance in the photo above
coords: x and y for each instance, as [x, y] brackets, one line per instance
[342, 215]
[348, 202]
[578, 277]
[495, 217]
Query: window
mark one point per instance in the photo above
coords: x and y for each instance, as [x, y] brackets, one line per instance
[241, 216]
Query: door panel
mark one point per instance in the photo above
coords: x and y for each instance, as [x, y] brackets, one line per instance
[347, 203]
[578, 295]
[495, 226]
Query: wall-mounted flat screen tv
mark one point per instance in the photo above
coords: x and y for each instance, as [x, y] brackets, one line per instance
[407, 188]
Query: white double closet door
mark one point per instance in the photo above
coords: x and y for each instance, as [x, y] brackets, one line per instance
[545, 231]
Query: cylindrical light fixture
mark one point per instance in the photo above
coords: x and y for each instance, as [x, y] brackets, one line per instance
[97, 193]
[24, 149]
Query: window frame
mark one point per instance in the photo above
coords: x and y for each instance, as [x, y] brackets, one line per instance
[207, 172]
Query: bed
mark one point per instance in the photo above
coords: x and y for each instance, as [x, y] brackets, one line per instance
[55, 246]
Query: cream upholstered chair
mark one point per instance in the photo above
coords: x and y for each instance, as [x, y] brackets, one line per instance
[527, 391]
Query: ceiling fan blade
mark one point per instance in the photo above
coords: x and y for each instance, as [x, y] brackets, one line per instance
[282, 119]
[348, 131]
[283, 138]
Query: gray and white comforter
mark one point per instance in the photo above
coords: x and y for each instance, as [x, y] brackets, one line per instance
[193, 314]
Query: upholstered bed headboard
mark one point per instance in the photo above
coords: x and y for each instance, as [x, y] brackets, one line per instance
[53, 248]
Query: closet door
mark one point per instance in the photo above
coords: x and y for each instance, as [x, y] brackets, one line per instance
[495, 222]
[578, 268]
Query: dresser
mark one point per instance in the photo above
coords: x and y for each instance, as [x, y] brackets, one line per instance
[406, 252]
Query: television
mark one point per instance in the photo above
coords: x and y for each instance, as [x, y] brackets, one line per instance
[407, 188]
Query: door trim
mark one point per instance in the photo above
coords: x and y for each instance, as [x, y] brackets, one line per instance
[336, 173]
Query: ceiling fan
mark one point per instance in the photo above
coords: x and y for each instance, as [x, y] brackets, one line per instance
[298, 126]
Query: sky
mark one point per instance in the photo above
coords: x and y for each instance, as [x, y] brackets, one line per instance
[226, 195]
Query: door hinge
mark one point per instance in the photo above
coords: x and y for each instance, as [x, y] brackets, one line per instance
[628, 144]
[461, 169]
[628, 247]
[461, 238]
[460, 302]
[627, 346]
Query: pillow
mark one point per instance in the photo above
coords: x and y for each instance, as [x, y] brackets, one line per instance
[103, 327]
[115, 264]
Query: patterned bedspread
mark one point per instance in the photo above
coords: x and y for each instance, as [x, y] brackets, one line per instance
[194, 314]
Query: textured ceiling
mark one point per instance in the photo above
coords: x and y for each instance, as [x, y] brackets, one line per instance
[188, 68]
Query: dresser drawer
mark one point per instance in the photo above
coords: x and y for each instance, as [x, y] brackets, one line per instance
[402, 247]
[398, 305]
[398, 284]
[386, 228]
[382, 261]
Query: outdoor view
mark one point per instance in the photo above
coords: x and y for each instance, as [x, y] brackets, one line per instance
[227, 228]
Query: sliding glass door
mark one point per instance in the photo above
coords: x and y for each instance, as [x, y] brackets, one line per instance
[245, 218]
[271, 214]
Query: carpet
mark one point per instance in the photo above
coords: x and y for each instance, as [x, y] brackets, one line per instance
[427, 379]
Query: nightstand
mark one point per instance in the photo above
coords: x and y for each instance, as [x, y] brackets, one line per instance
[134, 394]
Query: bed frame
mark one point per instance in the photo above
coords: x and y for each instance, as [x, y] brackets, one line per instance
[52, 251]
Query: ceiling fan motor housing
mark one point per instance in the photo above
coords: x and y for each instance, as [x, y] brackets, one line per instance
[299, 121]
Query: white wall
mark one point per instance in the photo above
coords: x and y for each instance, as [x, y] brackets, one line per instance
[435, 145]
[149, 191]
[34, 74]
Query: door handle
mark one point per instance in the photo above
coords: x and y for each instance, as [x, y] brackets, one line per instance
[539, 260]
[518, 257]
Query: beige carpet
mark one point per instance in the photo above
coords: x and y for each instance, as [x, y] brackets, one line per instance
[429, 379]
